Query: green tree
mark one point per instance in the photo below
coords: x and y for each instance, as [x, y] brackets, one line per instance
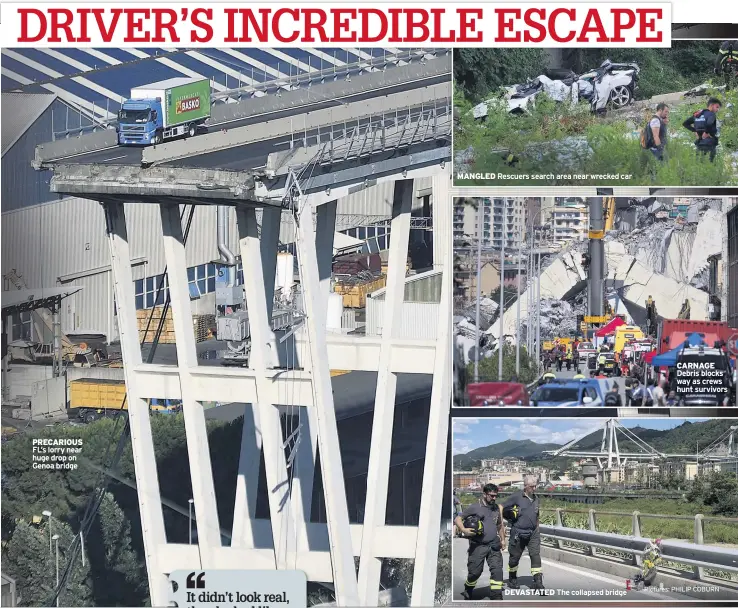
[478, 72]
[716, 489]
[400, 572]
[27, 559]
[114, 560]
[489, 367]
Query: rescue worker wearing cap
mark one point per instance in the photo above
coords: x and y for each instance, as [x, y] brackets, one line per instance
[522, 511]
[485, 546]
[547, 377]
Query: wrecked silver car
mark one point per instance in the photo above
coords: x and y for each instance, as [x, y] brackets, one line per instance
[612, 85]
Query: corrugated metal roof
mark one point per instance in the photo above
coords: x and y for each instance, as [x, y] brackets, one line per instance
[21, 110]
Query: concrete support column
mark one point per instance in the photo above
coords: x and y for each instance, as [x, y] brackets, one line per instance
[259, 294]
[441, 213]
[325, 230]
[384, 403]
[596, 285]
[303, 481]
[142, 443]
[249, 463]
[699, 539]
[201, 471]
[339, 536]
[434, 468]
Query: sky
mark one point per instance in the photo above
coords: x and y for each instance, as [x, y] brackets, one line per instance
[472, 433]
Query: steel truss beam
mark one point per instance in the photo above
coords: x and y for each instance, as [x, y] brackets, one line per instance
[288, 540]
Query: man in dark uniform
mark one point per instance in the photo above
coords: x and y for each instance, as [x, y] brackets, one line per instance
[522, 511]
[704, 125]
[484, 544]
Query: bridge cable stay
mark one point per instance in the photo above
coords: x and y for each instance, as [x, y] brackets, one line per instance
[576, 440]
[725, 442]
[96, 498]
[635, 439]
[609, 446]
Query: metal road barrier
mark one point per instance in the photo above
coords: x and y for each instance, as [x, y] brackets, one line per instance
[410, 75]
[321, 75]
[296, 126]
[61, 148]
[695, 554]
[365, 136]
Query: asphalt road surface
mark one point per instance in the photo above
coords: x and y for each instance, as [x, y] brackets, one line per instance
[250, 156]
[562, 582]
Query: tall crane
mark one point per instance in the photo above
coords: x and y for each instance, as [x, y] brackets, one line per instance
[596, 259]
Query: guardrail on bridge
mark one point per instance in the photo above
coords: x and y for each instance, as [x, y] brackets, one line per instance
[695, 554]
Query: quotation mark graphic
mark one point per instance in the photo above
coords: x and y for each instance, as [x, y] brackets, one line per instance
[196, 583]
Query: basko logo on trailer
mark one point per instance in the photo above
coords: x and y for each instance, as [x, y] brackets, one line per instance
[190, 104]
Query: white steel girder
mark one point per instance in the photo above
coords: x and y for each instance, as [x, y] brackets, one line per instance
[282, 541]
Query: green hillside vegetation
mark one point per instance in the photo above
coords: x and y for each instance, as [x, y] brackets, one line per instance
[687, 438]
[513, 448]
[561, 139]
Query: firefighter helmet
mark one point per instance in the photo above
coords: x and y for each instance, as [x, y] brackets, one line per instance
[511, 513]
[474, 522]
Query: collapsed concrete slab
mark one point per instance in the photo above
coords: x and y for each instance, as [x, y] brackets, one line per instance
[157, 184]
[708, 241]
[563, 279]
[635, 282]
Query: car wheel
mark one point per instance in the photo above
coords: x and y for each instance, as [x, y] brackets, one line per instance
[620, 97]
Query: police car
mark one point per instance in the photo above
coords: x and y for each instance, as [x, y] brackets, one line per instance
[571, 393]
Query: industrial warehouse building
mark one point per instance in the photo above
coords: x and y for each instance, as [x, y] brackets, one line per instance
[49, 241]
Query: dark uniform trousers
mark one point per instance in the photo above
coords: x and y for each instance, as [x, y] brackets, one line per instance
[518, 544]
[478, 553]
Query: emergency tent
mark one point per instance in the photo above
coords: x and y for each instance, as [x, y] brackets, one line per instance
[669, 358]
[610, 328]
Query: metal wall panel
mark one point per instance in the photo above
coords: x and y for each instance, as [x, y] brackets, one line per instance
[419, 319]
[425, 287]
[48, 243]
[22, 185]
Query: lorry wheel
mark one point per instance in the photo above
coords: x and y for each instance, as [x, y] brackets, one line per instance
[192, 131]
[91, 417]
[156, 140]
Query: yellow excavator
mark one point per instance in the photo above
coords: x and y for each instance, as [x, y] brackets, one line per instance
[608, 208]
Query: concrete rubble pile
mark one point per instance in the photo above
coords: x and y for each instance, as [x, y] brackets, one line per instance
[650, 254]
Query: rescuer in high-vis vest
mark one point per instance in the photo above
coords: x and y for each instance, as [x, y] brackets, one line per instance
[482, 524]
[727, 61]
[522, 511]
